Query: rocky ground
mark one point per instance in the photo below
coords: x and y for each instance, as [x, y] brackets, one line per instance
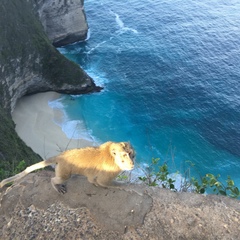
[31, 209]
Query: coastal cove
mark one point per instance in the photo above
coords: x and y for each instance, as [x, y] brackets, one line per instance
[36, 124]
[185, 114]
[38, 88]
[29, 63]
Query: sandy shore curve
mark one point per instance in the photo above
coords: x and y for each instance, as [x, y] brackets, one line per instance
[35, 125]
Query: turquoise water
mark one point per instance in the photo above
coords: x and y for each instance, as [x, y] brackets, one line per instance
[170, 72]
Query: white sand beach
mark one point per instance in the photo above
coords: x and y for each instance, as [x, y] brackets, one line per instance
[35, 125]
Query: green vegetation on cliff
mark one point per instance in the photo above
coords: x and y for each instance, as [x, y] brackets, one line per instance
[24, 45]
[12, 148]
[13, 18]
[29, 64]
[158, 175]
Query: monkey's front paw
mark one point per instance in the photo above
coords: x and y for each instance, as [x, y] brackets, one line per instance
[61, 188]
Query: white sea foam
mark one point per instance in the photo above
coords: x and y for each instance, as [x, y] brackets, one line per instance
[74, 129]
[130, 29]
[99, 78]
[119, 21]
[62, 50]
[122, 29]
[97, 46]
[56, 103]
[121, 24]
[88, 34]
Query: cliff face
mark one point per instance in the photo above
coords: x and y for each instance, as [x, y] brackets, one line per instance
[29, 64]
[64, 21]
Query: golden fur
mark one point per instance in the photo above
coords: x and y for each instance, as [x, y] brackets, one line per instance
[99, 164]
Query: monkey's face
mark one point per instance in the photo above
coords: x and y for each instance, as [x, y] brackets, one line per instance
[123, 155]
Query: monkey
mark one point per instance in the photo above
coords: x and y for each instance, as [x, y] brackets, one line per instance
[99, 164]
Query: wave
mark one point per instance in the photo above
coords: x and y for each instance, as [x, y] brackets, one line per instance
[121, 24]
[73, 129]
[56, 103]
[99, 78]
[122, 29]
[76, 129]
[119, 21]
[88, 35]
[97, 46]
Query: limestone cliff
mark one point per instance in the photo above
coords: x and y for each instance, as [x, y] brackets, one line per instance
[64, 21]
[29, 64]
[32, 209]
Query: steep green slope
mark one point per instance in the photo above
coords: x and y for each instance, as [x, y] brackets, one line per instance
[29, 64]
[12, 148]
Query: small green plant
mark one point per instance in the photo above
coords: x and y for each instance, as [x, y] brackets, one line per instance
[2, 173]
[199, 187]
[156, 175]
[211, 181]
[20, 167]
[124, 177]
[15, 170]
[160, 177]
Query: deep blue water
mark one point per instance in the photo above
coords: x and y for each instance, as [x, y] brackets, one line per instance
[170, 72]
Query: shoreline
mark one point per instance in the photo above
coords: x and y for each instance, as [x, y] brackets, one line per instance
[36, 125]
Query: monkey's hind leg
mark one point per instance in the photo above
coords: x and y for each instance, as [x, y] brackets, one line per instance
[58, 184]
[61, 176]
[107, 182]
[92, 179]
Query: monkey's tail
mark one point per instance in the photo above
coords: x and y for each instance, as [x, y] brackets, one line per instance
[28, 170]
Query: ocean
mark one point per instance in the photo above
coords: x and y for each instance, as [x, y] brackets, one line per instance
[171, 77]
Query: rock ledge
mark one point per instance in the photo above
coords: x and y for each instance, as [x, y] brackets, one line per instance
[33, 210]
